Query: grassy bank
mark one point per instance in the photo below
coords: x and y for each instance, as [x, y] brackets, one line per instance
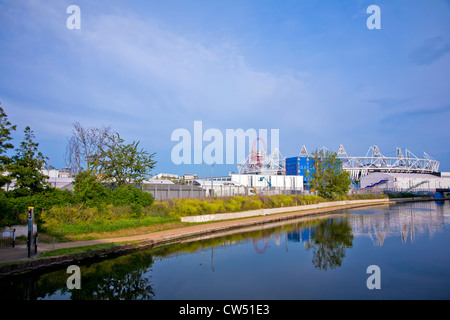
[71, 223]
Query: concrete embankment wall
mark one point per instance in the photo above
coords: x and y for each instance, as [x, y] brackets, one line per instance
[266, 212]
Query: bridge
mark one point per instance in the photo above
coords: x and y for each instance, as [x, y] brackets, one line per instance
[440, 193]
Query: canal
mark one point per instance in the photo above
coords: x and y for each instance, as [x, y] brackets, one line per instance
[322, 257]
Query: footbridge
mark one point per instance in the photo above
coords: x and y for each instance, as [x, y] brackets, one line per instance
[440, 193]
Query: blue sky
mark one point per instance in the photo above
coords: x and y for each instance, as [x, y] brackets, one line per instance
[311, 69]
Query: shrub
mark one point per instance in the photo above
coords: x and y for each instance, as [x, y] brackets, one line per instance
[232, 205]
[13, 208]
[186, 207]
[88, 190]
[252, 204]
[131, 196]
[214, 206]
[158, 209]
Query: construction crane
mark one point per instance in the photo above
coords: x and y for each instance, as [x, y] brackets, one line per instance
[262, 179]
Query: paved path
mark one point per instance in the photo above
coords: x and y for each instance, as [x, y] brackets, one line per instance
[20, 252]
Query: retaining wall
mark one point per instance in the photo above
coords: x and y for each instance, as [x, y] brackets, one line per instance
[265, 212]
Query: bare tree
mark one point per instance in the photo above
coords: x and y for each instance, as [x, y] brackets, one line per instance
[84, 148]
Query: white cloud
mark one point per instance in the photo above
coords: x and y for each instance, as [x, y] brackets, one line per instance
[188, 76]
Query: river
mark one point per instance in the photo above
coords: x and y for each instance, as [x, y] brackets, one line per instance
[322, 257]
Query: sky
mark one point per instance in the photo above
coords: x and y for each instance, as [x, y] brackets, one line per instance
[311, 69]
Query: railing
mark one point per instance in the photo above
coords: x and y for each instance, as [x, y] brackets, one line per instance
[174, 191]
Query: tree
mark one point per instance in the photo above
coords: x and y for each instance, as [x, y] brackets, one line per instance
[331, 239]
[327, 175]
[103, 155]
[26, 166]
[6, 129]
[88, 189]
[124, 164]
[84, 148]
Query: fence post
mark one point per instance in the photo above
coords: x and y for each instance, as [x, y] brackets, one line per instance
[14, 238]
[35, 242]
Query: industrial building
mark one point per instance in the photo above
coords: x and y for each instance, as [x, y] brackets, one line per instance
[269, 181]
[248, 184]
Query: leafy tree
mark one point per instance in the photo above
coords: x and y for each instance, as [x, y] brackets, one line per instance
[88, 189]
[84, 148]
[26, 166]
[6, 129]
[327, 175]
[124, 164]
[331, 240]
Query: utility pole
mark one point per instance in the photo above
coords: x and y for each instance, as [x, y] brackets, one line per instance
[212, 190]
[204, 186]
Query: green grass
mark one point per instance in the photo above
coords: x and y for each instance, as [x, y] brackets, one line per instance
[78, 228]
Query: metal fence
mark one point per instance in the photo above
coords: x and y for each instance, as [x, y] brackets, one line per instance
[230, 190]
[175, 191]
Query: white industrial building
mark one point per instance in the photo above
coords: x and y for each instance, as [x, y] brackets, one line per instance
[405, 182]
[269, 181]
[248, 184]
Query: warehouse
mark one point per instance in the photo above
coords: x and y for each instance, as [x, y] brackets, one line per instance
[269, 181]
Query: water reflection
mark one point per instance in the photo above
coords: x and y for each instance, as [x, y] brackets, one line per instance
[126, 277]
[404, 220]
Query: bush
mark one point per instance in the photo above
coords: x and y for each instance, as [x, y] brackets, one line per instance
[158, 209]
[89, 191]
[13, 208]
[8, 216]
[252, 204]
[185, 207]
[232, 205]
[131, 196]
